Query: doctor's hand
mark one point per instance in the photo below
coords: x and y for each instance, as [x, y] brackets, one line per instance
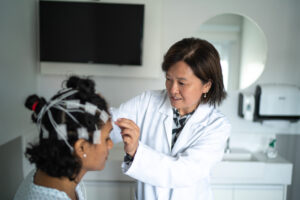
[130, 133]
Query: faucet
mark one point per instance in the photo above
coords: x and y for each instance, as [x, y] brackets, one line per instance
[227, 148]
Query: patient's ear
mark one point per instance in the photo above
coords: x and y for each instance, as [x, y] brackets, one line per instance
[80, 147]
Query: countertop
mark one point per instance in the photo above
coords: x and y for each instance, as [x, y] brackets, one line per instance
[257, 170]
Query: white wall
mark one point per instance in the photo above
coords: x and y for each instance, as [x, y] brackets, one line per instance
[18, 65]
[295, 42]
[18, 74]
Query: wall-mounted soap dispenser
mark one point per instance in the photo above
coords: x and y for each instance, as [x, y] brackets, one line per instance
[246, 106]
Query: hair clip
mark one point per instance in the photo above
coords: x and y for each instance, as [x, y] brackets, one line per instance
[34, 106]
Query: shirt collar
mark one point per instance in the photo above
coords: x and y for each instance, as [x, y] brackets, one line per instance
[177, 114]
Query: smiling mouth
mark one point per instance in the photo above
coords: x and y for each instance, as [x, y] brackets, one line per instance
[175, 98]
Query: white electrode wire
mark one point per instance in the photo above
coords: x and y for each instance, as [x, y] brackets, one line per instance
[67, 112]
[77, 110]
[63, 135]
[60, 98]
[64, 90]
[53, 102]
[58, 103]
[47, 109]
[65, 102]
[103, 115]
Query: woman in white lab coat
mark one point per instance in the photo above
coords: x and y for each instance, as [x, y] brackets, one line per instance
[172, 138]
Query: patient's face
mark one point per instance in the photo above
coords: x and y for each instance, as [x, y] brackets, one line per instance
[98, 153]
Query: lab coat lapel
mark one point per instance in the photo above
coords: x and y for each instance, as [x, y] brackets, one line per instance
[166, 109]
[168, 129]
[199, 118]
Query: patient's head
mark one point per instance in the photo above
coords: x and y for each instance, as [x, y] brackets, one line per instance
[74, 130]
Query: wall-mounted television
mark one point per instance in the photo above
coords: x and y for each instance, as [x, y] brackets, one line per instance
[91, 32]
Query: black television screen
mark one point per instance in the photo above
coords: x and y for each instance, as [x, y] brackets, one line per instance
[91, 32]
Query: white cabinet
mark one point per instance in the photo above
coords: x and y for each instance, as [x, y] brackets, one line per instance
[258, 178]
[222, 192]
[249, 192]
[259, 193]
[122, 190]
[255, 179]
[109, 190]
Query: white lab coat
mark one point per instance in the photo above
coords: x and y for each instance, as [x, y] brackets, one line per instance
[179, 173]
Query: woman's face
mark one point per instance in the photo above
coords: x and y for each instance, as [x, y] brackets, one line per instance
[184, 88]
[97, 154]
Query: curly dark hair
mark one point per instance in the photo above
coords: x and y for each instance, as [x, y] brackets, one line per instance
[50, 154]
[204, 60]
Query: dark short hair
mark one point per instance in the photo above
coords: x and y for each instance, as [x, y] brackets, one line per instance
[50, 154]
[204, 60]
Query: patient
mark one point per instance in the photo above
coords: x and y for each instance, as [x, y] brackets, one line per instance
[74, 129]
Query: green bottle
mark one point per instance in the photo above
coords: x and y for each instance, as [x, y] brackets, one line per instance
[272, 151]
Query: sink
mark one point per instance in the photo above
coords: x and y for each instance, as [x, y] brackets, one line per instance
[237, 154]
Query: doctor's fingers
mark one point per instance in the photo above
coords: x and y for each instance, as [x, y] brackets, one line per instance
[126, 123]
[131, 140]
[130, 136]
[128, 139]
[133, 133]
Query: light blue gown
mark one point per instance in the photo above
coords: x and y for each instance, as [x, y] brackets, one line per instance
[28, 190]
